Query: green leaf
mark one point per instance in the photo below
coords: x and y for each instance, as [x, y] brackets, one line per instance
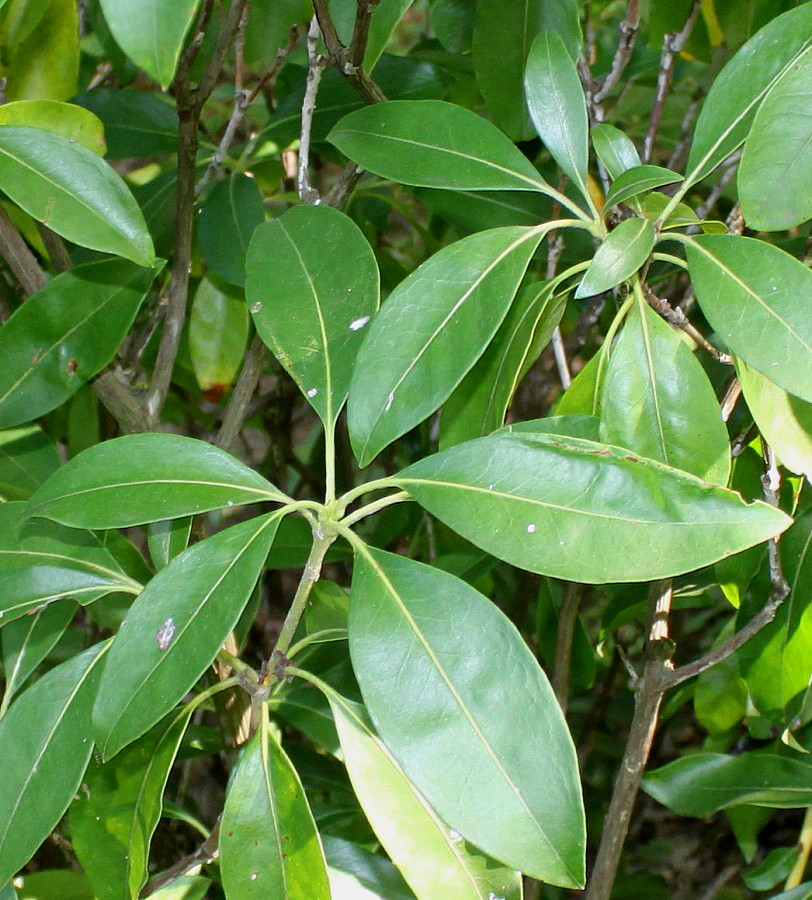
[146, 478]
[136, 123]
[756, 298]
[413, 358]
[73, 192]
[312, 300]
[269, 846]
[72, 122]
[27, 458]
[437, 862]
[41, 543]
[479, 405]
[475, 720]
[802, 892]
[218, 331]
[357, 874]
[501, 44]
[775, 663]
[114, 815]
[168, 539]
[565, 507]
[49, 883]
[151, 32]
[268, 28]
[615, 149]
[228, 218]
[703, 783]
[431, 143]
[28, 641]
[657, 400]
[557, 106]
[622, 253]
[638, 180]
[46, 736]
[175, 628]
[784, 420]
[775, 184]
[572, 425]
[42, 52]
[66, 333]
[453, 23]
[730, 107]
[775, 867]
[24, 591]
[479, 210]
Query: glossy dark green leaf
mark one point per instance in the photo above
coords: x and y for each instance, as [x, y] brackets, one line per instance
[70, 121]
[432, 143]
[478, 406]
[474, 721]
[68, 188]
[136, 123]
[783, 419]
[622, 253]
[175, 628]
[27, 458]
[615, 150]
[584, 511]
[775, 184]
[657, 400]
[639, 180]
[268, 28]
[703, 783]
[24, 591]
[436, 861]
[555, 99]
[115, 813]
[28, 641]
[269, 846]
[228, 217]
[47, 883]
[500, 49]
[47, 743]
[64, 334]
[756, 298]
[327, 607]
[146, 478]
[218, 331]
[775, 663]
[413, 358]
[312, 300]
[730, 107]
[151, 32]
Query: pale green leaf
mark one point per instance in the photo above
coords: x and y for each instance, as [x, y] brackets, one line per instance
[622, 253]
[68, 188]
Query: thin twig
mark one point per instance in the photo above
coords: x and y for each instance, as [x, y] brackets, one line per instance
[341, 59]
[206, 853]
[19, 257]
[673, 42]
[567, 618]
[628, 34]
[190, 103]
[57, 251]
[677, 318]
[316, 63]
[771, 484]
[360, 34]
[243, 391]
[648, 698]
